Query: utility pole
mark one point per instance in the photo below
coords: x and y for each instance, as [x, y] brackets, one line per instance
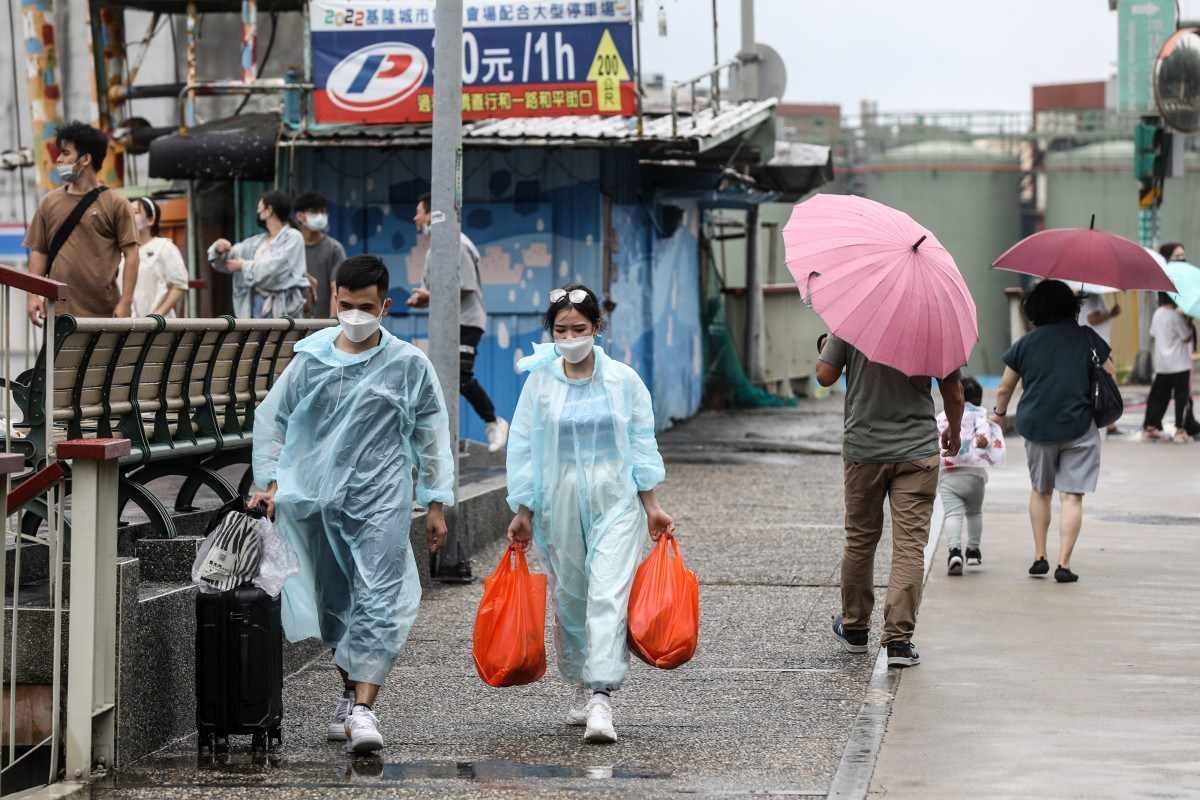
[451, 563]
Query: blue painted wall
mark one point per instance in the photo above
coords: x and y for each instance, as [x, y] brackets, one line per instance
[536, 216]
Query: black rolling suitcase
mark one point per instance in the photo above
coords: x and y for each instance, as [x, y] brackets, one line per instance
[239, 668]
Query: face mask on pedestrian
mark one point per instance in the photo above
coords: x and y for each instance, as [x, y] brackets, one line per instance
[139, 222]
[316, 221]
[261, 216]
[68, 172]
[575, 350]
[358, 326]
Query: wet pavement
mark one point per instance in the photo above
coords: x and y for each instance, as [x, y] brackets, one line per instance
[1029, 688]
[764, 709]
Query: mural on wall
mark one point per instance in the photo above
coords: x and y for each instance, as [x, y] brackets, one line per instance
[536, 218]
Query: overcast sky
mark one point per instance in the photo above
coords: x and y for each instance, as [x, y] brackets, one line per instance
[908, 55]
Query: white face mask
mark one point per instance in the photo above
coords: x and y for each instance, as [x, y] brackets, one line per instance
[316, 222]
[575, 350]
[358, 325]
[66, 172]
[139, 223]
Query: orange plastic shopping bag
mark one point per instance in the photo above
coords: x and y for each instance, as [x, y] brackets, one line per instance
[510, 625]
[664, 608]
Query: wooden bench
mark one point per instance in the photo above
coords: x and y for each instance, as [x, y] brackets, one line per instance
[183, 391]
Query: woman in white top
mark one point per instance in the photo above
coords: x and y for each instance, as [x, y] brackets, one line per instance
[162, 277]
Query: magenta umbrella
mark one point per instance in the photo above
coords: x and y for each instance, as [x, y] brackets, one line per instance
[1086, 254]
[882, 282]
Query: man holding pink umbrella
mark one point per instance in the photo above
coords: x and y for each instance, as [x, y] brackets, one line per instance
[900, 316]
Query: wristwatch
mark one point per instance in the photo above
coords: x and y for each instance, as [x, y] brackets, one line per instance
[998, 412]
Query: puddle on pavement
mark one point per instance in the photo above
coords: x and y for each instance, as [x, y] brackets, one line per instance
[275, 769]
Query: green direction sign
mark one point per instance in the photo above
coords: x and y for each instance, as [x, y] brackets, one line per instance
[1143, 26]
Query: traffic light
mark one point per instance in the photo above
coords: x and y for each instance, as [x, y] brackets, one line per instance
[1151, 151]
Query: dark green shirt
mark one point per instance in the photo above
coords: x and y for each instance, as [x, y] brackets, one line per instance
[889, 416]
[1054, 362]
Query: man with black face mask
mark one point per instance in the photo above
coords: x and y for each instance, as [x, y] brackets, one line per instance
[269, 273]
[80, 231]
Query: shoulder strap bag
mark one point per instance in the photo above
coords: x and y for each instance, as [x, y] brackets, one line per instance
[68, 227]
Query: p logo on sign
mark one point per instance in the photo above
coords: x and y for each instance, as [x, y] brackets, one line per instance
[377, 76]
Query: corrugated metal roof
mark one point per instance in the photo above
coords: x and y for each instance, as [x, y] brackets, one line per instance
[707, 129]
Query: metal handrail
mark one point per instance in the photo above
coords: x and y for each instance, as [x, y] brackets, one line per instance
[713, 75]
[190, 91]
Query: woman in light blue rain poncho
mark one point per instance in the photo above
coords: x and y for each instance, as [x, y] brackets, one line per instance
[582, 467]
[270, 273]
[336, 443]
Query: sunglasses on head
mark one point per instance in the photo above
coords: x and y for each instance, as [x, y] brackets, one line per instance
[576, 296]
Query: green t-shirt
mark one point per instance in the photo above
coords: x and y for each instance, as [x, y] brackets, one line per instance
[889, 416]
[1054, 362]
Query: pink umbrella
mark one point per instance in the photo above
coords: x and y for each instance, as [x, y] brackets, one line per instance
[881, 282]
[1086, 254]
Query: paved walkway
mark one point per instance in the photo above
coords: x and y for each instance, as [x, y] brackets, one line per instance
[764, 709]
[1034, 689]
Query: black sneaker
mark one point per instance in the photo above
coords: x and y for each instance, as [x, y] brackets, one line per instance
[1064, 575]
[1039, 568]
[903, 654]
[954, 563]
[974, 557]
[852, 641]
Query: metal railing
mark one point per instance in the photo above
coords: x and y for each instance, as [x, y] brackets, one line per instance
[187, 95]
[713, 76]
[90, 688]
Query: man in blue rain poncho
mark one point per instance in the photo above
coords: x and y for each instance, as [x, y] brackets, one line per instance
[336, 443]
[583, 465]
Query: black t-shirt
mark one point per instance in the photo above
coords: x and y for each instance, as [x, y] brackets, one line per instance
[1054, 362]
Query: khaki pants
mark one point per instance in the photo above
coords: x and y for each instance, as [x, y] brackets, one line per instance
[911, 487]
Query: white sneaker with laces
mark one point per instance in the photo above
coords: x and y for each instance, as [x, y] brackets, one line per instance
[337, 725]
[497, 434]
[577, 713]
[600, 728]
[362, 729]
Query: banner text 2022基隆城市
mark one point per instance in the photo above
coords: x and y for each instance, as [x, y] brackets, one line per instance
[372, 61]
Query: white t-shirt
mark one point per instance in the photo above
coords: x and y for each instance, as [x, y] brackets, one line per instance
[1091, 303]
[160, 267]
[1172, 348]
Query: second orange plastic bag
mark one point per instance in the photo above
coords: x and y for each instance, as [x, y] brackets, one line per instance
[509, 643]
[664, 608]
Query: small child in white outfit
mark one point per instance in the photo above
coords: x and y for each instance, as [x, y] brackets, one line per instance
[964, 477]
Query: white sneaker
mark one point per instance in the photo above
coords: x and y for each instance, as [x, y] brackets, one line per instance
[362, 729]
[577, 714]
[497, 434]
[337, 725]
[600, 728]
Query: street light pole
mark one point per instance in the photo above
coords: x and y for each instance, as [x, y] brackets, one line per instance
[444, 284]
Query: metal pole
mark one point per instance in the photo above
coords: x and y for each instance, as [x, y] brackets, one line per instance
[193, 26]
[249, 39]
[748, 56]
[754, 300]
[637, 57]
[193, 262]
[445, 245]
[716, 84]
